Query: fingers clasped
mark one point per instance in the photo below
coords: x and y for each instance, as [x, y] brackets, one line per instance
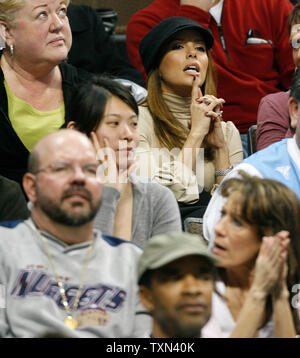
[213, 104]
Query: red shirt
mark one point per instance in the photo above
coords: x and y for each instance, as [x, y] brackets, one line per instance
[246, 72]
[273, 119]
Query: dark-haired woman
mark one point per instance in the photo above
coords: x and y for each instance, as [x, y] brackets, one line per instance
[181, 115]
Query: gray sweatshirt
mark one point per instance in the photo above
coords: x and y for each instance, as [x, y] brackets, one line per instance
[108, 305]
[155, 211]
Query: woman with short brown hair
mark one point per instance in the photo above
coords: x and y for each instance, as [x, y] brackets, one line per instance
[257, 246]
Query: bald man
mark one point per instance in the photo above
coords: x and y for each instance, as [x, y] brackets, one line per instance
[61, 276]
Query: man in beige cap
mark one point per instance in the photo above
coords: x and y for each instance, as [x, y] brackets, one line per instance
[176, 275]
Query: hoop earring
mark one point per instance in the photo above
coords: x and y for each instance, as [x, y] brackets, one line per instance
[11, 50]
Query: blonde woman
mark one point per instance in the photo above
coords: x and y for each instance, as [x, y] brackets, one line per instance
[35, 82]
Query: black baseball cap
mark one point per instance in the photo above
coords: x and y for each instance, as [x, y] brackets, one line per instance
[153, 41]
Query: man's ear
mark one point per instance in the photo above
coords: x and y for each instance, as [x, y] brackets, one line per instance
[146, 297]
[29, 186]
[293, 106]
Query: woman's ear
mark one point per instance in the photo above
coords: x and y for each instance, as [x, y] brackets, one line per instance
[293, 106]
[71, 125]
[5, 35]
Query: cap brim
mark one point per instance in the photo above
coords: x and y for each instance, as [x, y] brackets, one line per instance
[172, 256]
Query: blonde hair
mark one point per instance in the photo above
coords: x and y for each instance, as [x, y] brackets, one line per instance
[294, 17]
[170, 132]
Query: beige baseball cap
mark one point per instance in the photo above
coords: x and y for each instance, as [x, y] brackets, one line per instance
[165, 248]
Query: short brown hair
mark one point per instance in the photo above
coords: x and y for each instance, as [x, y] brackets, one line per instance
[269, 206]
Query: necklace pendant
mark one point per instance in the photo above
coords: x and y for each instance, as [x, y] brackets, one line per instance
[71, 322]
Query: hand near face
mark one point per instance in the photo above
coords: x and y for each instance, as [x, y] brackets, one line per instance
[108, 171]
[201, 109]
[270, 268]
[281, 286]
[199, 122]
[215, 135]
[201, 4]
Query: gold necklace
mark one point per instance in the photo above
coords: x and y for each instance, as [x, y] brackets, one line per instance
[69, 321]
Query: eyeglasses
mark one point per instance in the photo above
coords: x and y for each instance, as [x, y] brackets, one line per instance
[63, 169]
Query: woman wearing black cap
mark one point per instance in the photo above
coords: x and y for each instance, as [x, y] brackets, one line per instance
[182, 112]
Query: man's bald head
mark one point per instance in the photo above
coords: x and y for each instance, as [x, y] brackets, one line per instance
[52, 142]
[62, 180]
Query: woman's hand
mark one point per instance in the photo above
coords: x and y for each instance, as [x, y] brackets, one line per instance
[108, 171]
[280, 290]
[270, 271]
[204, 109]
[269, 268]
[215, 137]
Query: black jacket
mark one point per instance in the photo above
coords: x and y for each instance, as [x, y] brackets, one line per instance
[94, 50]
[13, 153]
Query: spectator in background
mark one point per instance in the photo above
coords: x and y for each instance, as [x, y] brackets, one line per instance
[279, 161]
[251, 50]
[130, 209]
[94, 50]
[176, 276]
[273, 121]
